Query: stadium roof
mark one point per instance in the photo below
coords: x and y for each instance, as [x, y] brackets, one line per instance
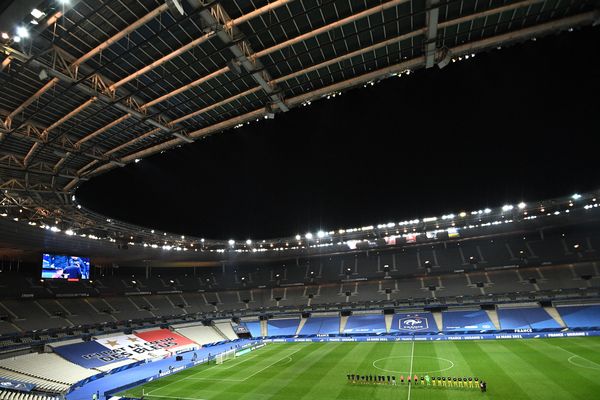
[87, 87]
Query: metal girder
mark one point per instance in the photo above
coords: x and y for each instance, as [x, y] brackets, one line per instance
[64, 143]
[350, 55]
[37, 168]
[326, 28]
[101, 130]
[93, 91]
[121, 34]
[523, 34]
[242, 52]
[431, 19]
[21, 185]
[49, 85]
[162, 60]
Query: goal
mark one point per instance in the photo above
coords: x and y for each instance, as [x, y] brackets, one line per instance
[227, 355]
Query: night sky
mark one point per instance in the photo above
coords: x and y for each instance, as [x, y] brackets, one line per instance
[510, 125]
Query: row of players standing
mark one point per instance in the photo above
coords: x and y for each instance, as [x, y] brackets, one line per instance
[424, 380]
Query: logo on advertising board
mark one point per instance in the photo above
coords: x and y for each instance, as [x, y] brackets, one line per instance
[413, 323]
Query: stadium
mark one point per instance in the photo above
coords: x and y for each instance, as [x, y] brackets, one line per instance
[417, 277]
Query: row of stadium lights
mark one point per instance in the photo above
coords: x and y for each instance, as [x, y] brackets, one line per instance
[308, 237]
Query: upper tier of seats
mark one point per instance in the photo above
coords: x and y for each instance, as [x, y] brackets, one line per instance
[451, 288]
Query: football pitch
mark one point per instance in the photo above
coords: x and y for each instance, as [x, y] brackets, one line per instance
[513, 369]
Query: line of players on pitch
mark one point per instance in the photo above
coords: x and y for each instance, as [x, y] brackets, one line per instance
[455, 382]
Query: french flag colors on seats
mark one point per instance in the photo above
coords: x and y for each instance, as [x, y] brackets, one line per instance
[147, 345]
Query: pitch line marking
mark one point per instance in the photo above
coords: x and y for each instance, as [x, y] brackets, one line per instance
[412, 353]
[242, 379]
[573, 355]
[270, 365]
[173, 397]
[404, 372]
[289, 359]
[596, 366]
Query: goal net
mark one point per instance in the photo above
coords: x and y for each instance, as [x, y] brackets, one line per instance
[222, 357]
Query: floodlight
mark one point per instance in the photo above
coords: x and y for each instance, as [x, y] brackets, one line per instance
[576, 196]
[37, 14]
[22, 32]
[321, 234]
[521, 205]
[231, 242]
[308, 236]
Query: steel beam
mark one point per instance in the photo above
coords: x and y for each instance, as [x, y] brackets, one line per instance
[290, 42]
[162, 60]
[242, 52]
[49, 85]
[431, 18]
[348, 56]
[121, 34]
[101, 130]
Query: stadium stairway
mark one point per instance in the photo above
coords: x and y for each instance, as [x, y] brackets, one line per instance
[493, 316]
[263, 328]
[343, 322]
[555, 315]
[219, 331]
[301, 324]
[437, 316]
[388, 322]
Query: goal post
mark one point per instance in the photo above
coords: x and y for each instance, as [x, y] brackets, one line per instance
[225, 356]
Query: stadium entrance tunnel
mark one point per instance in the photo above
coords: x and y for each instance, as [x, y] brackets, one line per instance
[420, 364]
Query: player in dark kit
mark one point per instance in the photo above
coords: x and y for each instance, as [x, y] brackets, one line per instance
[483, 386]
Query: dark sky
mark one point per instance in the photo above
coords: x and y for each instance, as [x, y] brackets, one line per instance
[510, 125]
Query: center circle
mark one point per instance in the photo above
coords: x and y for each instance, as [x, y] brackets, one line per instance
[425, 359]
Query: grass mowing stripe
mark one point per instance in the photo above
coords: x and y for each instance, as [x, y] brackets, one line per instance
[539, 363]
[491, 368]
[589, 350]
[269, 382]
[309, 369]
[185, 375]
[412, 354]
[362, 362]
[215, 382]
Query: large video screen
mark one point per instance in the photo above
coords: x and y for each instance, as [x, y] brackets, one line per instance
[72, 268]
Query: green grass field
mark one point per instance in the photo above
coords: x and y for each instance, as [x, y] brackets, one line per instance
[514, 369]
